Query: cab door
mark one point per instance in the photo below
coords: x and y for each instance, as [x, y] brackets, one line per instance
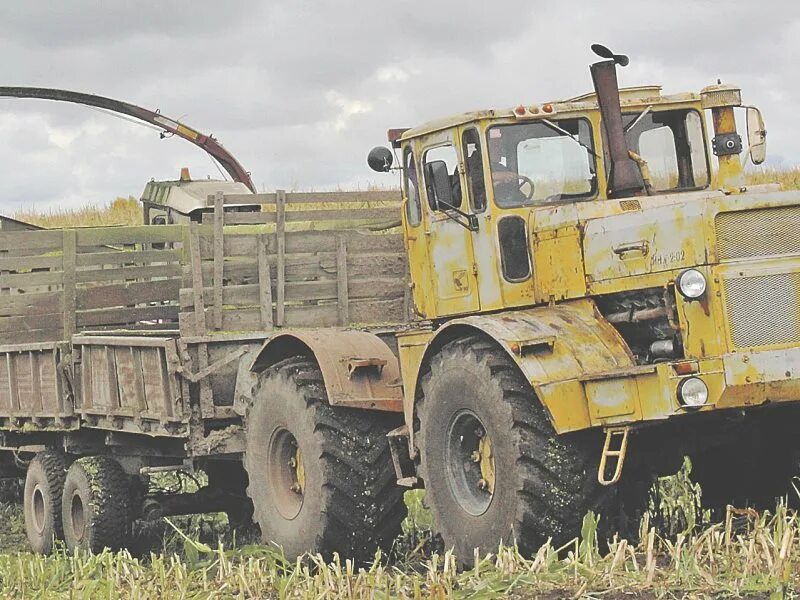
[484, 235]
[447, 229]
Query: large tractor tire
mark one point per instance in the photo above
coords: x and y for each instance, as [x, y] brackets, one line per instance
[95, 505]
[321, 478]
[44, 483]
[494, 469]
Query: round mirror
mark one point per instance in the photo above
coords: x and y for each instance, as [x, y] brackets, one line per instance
[380, 159]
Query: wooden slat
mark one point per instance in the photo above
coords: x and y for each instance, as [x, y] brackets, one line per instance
[123, 273]
[139, 234]
[219, 228]
[280, 232]
[315, 197]
[124, 316]
[125, 294]
[264, 284]
[297, 242]
[52, 333]
[30, 280]
[311, 268]
[324, 290]
[31, 240]
[368, 311]
[199, 327]
[341, 282]
[121, 257]
[70, 279]
[26, 263]
[296, 216]
[30, 304]
[23, 323]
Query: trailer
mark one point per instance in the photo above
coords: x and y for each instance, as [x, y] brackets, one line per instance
[129, 350]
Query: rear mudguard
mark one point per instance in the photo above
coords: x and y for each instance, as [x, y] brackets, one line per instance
[358, 368]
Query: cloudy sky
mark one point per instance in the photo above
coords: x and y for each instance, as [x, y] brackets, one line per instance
[299, 91]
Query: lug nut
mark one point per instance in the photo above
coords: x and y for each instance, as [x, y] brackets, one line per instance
[482, 484]
[295, 488]
[292, 463]
[475, 457]
[479, 433]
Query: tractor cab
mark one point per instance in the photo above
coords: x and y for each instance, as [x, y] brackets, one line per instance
[482, 189]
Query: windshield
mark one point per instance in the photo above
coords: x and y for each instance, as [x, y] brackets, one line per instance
[541, 162]
[672, 144]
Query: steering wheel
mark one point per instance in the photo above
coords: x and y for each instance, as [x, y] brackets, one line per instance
[524, 180]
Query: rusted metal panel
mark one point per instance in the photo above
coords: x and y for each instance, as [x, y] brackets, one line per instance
[130, 384]
[30, 387]
[358, 368]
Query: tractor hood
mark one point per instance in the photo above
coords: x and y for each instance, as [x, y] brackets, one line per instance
[636, 237]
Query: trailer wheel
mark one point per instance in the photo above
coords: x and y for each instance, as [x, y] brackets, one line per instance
[321, 478]
[494, 469]
[95, 505]
[44, 482]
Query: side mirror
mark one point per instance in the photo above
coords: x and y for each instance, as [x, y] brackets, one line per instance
[756, 135]
[380, 159]
[437, 184]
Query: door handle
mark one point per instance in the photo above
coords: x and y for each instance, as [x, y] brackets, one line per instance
[624, 251]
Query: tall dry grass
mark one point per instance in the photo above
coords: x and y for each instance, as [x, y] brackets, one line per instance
[121, 211]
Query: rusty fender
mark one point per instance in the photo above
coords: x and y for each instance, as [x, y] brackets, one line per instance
[358, 368]
[556, 349]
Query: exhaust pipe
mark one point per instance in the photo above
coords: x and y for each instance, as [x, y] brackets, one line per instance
[624, 176]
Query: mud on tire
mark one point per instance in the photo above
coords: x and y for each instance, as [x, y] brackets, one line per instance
[95, 505]
[537, 484]
[44, 483]
[320, 477]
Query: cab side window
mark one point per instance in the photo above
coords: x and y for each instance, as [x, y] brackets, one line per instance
[411, 188]
[473, 163]
[442, 179]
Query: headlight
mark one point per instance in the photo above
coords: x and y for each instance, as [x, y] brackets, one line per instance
[691, 284]
[692, 392]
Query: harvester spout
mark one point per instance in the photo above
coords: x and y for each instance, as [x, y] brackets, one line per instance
[624, 177]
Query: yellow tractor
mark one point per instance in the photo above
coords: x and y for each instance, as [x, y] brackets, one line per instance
[595, 303]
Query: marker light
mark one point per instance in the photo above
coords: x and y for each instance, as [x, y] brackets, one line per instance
[691, 284]
[692, 392]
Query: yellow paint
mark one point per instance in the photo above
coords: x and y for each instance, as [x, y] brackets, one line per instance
[577, 364]
[299, 470]
[487, 462]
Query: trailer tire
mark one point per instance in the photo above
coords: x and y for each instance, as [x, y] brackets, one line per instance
[44, 482]
[321, 478]
[95, 505]
[494, 469]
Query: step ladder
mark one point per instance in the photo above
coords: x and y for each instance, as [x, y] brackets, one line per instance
[614, 448]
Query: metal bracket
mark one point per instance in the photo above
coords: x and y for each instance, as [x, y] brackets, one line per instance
[203, 373]
[613, 452]
[727, 143]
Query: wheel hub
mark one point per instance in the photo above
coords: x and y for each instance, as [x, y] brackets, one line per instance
[285, 473]
[39, 509]
[469, 462]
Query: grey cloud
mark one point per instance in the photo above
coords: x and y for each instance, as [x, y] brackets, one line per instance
[299, 91]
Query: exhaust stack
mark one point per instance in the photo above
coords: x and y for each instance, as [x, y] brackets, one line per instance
[624, 176]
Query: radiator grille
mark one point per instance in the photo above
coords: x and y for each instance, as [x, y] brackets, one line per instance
[764, 310]
[762, 232]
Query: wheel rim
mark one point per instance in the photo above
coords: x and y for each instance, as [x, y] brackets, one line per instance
[286, 473]
[470, 463]
[77, 516]
[39, 509]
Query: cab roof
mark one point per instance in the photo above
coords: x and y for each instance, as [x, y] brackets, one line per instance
[630, 96]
